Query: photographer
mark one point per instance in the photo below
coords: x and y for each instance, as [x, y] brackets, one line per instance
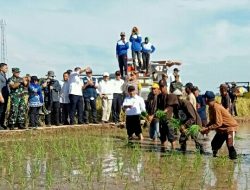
[135, 39]
[17, 100]
[51, 88]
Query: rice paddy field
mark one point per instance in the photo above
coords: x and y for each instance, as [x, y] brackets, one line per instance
[100, 157]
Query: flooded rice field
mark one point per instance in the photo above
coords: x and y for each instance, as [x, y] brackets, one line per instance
[102, 158]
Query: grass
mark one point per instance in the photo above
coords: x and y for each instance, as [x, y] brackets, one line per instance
[94, 158]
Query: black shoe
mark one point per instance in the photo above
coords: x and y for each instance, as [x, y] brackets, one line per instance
[3, 126]
[11, 126]
[215, 153]
[21, 126]
[232, 153]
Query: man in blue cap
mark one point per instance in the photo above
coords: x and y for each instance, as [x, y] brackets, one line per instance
[223, 123]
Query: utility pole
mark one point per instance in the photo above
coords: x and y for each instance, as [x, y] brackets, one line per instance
[3, 42]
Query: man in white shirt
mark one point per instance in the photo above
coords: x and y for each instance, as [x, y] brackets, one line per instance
[133, 106]
[117, 84]
[64, 99]
[172, 75]
[190, 96]
[106, 94]
[75, 95]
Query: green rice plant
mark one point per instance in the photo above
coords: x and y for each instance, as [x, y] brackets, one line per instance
[193, 130]
[161, 115]
[175, 123]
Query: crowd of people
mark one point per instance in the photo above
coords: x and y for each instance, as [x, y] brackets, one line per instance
[73, 101]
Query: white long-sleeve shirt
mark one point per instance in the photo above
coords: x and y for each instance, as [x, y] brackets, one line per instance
[105, 88]
[75, 84]
[117, 86]
[137, 103]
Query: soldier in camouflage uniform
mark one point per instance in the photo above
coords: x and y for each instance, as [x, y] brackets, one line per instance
[17, 100]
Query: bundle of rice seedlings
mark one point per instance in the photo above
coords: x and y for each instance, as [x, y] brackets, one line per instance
[193, 130]
[175, 123]
[144, 114]
[161, 115]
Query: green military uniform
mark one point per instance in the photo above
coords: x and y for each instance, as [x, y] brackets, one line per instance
[17, 102]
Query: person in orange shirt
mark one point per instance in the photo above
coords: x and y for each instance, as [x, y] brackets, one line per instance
[223, 123]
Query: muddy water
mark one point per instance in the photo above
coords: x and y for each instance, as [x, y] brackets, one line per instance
[115, 164]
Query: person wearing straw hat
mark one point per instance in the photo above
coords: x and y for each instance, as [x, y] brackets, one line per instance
[17, 100]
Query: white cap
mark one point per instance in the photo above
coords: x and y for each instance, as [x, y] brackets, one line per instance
[105, 74]
[177, 92]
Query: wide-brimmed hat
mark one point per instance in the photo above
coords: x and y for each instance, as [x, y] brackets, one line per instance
[51, 74]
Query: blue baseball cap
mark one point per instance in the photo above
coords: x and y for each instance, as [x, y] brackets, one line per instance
[209, 95]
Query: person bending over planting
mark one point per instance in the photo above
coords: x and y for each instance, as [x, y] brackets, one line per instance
[188, 117]
[166, 132]
[223, 123]
[133, 106]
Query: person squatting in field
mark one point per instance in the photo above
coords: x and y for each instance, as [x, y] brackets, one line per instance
[188, 116]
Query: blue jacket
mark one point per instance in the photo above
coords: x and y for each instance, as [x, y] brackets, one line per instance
[147, 48]
[136, 42]
[121, 48]
[89, 91]
[35, 95]
[202, 107]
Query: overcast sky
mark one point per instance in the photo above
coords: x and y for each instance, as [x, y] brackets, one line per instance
[210, 37]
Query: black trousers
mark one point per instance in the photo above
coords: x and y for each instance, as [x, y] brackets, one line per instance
[3, 107]
[90, 105]
[146, 60]
[53, 117]
[167, 133]
[116, 107]
[220, 138]
[234, 109]
[76, 104]
[123, 65]
[133, 125]
[34, 116]
[64, 113]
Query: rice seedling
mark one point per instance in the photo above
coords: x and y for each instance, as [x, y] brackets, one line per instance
[193, 130]
[161, 115]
